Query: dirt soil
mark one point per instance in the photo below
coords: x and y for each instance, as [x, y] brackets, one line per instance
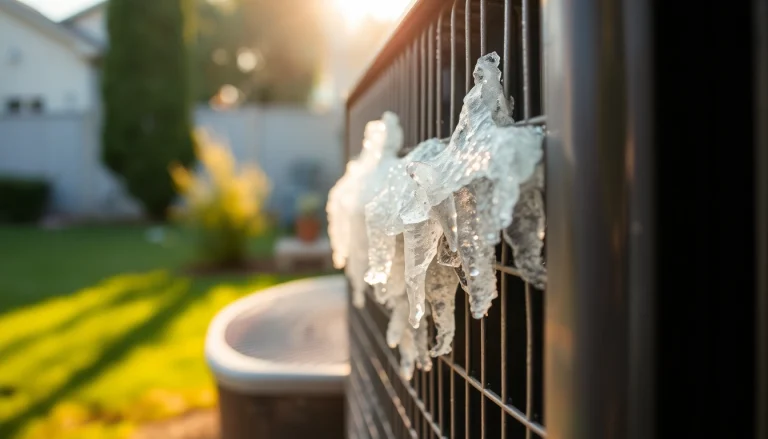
[203, 424]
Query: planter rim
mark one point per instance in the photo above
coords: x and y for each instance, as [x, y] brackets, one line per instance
[242, 373]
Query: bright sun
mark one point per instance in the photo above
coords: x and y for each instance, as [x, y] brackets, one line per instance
[355, 11]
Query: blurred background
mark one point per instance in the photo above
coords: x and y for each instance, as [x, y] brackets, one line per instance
[158, 160]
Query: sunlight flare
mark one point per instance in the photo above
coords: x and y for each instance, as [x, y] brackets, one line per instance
[356, 11]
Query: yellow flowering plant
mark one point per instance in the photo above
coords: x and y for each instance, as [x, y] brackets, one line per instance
[224, 201]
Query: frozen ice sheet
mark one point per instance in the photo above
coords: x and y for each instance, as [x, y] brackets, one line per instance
[421, 230]
[474, 183]
[347, 199]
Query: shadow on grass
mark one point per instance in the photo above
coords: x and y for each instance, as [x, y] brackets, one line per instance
[111, 354]
[125, 293]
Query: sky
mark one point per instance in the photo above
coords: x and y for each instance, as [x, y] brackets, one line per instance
[59, 9]
[352, 9]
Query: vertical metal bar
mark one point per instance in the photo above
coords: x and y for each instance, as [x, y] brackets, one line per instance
[453, 69]
[412, 115]
[439, 80]
[507, 45]
[483, 31]
[348, 120]
[482, 377]
[505, 250]
[415, 92]
[467, 82]
[430, 80]
[431, 376]
[452, 124]
[640, 147]
[467, 46]
[503, 288]
[526, 74]
[406, 121]
[392, 87]
[466, 366]
[404, 91]
[424, 379]
[400, 89]
[388, 86]
[423, 91]
[453, 396]
[586, 317]
[404, 94]
[760, 25]
[528, 356]
[440, 420]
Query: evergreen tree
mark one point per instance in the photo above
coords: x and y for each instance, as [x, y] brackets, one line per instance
[146, 98]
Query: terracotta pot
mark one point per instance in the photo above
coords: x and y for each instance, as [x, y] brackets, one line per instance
[307, 228]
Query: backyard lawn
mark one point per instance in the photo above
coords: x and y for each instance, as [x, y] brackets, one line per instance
[100, 331]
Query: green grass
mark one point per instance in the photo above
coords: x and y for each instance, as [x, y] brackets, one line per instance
[99, 332]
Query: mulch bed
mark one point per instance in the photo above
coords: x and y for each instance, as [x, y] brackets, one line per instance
[201, 424]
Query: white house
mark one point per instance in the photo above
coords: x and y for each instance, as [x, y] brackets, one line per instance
[44, 67]
[50, 119]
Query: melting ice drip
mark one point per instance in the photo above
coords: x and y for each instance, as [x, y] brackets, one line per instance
[347, 199]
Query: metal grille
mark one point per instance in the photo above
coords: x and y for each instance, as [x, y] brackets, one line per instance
[490, 386]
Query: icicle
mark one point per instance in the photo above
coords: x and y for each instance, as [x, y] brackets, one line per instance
[441, 295]
[477, 256]
[395, 284]
[421, 227]
[445, 255]
[421, 337]
[449, 258]
[462, 278]
[347, 200]
[420, 248]
[408, 353]
[526, 233]
[411, 342]
[381, 254]
[398, 321]
[445, 212]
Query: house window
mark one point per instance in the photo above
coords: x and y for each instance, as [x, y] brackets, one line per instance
[36, 105]
[13, 106]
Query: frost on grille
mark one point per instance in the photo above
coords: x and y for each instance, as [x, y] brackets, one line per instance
[347, 199]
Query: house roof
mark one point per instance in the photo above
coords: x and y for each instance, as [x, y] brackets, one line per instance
[83, 47]
[78, 15]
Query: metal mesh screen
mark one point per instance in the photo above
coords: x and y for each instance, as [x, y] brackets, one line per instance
[490, 386]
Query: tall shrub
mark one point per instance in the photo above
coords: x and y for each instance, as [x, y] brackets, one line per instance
[146, 98]
[224, 202]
